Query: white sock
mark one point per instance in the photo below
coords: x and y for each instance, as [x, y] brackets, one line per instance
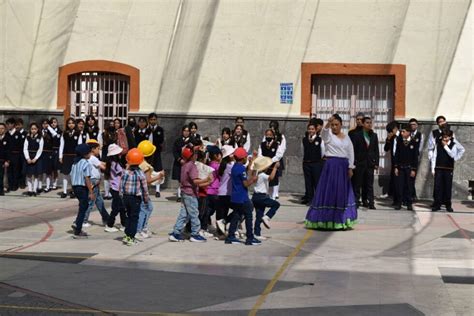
[35, 185]
[65, 186]
[55, 183]
[157, 188]
[275, 191]
[40, 183]
[30, 185]
[106, 188]
[48, 182]
[179, 192]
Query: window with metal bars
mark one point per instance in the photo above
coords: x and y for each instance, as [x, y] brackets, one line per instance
[348, 95]
[104, 95]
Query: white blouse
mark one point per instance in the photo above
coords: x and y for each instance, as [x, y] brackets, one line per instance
[337, 147]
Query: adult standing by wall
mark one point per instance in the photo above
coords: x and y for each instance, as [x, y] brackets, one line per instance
[333, 206]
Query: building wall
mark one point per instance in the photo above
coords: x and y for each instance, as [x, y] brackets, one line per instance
[223, 57]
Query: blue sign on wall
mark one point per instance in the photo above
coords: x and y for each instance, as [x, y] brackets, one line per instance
[286, 93]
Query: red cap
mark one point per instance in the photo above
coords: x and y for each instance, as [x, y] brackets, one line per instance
[187, 153]
[240, 153]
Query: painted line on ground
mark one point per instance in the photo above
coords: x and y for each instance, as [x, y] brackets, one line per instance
[91, 311]
[268, 289]
[463, 233]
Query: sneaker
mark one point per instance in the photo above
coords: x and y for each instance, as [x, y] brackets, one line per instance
[232, 240]
[122, 228]
[131, 241]
[125, 239]
[73, 226]
[221, 226]
[197, 238]
[253, 242]
[81, 235]
[86, 225]
[205, 234]
[266, 221]
[261, 238]
[144, 235]
[138, 238]
[110, 229]
[384, 196]
[175, 237]
[178, 200]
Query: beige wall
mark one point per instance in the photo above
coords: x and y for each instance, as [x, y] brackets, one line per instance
[230, 56]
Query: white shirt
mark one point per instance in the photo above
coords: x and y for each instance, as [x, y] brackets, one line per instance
[262, 183]
[456, 153]
[280, 150]
[337, 147]
[38, 153]
[95, 164]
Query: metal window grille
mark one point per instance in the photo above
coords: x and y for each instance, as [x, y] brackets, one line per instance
[348, 95]
[102, 94]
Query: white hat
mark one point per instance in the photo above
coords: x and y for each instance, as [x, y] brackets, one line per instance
[113, 150]
[261, 163]
[227, 150]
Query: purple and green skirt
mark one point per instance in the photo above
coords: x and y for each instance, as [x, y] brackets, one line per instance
[333, 206]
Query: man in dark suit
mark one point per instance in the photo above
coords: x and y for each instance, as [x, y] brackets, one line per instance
[366, 160]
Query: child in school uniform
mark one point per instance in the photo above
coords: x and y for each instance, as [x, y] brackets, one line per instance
[190, 183]
[4, 155]
[313, 148]
[114, 171]
[273, 149]
[226, 138]
[32, 149]
[70, 139]
[178, 146]
[135, 190]
[260, 197]
[53, 122]
[240, 201]
[157, 138]
[142, 132]
[82, 187]
[405, 164]
[446, 152]
[47, 160]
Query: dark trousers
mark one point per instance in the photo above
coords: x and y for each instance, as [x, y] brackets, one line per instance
[404, 186]
[132, 207]
[363, 182]
[392, 189]
[260, 202]
[203, 212]
[82, 194]
[2, 173]
[312, 173]
[14, 171]
[241, 210]
[117, 208]
[223, 206]
[443, 187]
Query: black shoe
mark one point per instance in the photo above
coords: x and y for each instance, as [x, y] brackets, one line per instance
[81, 235]
[178, 200]
[449, 209]
[157, 194]
[46, 190]
[435, 209]
[372, 207]
[33, 193]
[410, 207]
[14, 189]
[365, 204]
[72, 195]
[2, 193]
[38, 191]
[107, 198]
[63, 195]
[398, 207]
[304, 201]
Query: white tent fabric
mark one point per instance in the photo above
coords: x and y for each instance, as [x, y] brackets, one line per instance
[227, 57]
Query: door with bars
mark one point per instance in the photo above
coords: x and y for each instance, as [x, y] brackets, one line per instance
[348, 95]
[104, 95]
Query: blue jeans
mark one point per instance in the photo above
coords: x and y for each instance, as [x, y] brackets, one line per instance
[189, 211]
[132, 206]
[241, 210]
[260, 202]
[82, 194]
[99, 202]
[145, 213]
